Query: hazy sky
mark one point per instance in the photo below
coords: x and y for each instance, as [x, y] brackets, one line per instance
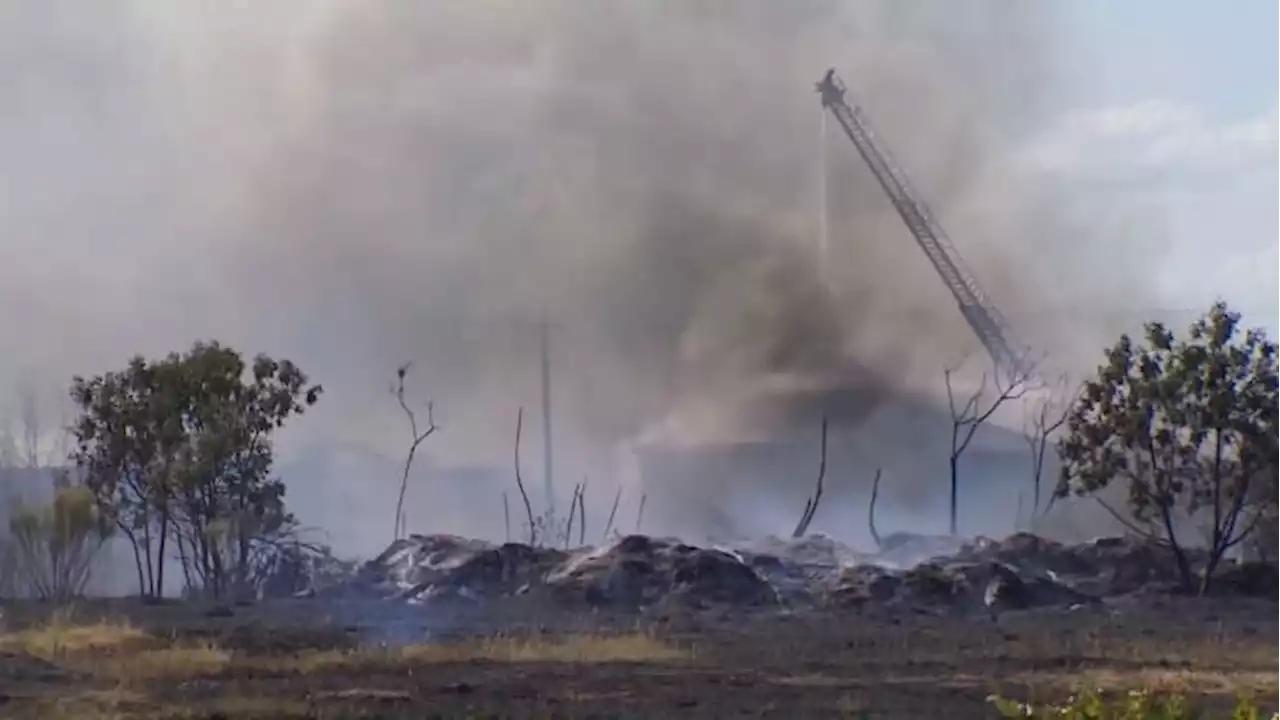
[1175, 104]
[357, 184]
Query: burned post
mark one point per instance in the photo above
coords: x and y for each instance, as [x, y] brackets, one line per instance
[871, 510]
[811, 504]
[524, 495]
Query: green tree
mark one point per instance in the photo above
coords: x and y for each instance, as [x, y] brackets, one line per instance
[1190, 424]
[180, 449]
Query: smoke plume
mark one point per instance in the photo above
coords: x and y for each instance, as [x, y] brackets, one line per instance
[355, 184]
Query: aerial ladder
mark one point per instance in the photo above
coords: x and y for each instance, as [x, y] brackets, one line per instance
[993, 331]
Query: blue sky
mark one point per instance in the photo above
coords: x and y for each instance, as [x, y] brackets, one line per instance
[1218, 56]
[1173, 104]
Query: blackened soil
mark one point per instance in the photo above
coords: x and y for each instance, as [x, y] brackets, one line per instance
[882, 665]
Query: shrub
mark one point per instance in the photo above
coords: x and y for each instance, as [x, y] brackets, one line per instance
[52, 546]
[1136, 705]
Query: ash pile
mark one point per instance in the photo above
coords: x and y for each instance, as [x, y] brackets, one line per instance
[639, 573]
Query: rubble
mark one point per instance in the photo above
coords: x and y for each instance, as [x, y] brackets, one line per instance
[927, 573]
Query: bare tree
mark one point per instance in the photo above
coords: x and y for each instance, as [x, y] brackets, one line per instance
[34, 445]
[995, 389]
[811, 504]
[418, 437]
[524, 495]
[1041, 425]
[38, 444]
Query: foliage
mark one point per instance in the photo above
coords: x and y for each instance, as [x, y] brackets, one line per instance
[1136, 705]
[1190, 425]
[180, 450]
[53, 545]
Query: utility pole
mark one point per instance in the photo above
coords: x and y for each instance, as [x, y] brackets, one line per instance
[544, 336]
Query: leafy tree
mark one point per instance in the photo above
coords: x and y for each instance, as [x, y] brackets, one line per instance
[1191, 426]
[54, 544]
[180, 449]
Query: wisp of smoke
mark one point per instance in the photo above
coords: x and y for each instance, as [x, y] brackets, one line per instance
[357, 183]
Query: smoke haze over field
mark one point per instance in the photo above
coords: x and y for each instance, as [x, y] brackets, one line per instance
[355, 184]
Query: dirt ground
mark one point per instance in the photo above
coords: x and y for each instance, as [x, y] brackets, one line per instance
[126, 660]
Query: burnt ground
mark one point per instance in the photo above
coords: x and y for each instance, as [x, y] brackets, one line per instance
[306, 659]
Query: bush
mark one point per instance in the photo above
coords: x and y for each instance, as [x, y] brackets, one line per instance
[1136, 705]
[52, 546]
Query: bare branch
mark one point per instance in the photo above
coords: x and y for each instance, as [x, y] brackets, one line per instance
[617, 497]
[811, 504]
[966, 419]
[582, 514]
[1129, 524]
[1049, 415]
[417, 438]
[528, 508]
[640, 512]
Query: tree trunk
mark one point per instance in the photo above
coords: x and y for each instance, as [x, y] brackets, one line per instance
[1211, 567]
[137, 556]
[164, 537]
[183, 560]
[955, 494]
[146, 553]
[1186, 578]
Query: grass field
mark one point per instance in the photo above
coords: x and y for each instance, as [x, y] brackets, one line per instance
[99, 662]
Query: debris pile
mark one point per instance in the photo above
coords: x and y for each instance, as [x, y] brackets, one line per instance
[925, 573]
[639, 571]
[1104, 567]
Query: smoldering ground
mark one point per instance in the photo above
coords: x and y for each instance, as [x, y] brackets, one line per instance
[356, 184]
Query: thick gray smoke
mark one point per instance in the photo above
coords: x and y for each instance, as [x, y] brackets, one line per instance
[356, 183]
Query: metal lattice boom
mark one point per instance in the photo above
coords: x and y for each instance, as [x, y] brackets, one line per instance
[984, 318]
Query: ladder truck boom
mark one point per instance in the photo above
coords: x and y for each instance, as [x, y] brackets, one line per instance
[979, 312]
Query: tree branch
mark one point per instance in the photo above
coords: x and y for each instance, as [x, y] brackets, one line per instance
[417, 438]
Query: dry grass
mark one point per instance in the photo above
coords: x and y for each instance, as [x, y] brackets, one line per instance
[118, 651]
[61, 637]
[128, 665]
[115, 650]
[629, 648]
